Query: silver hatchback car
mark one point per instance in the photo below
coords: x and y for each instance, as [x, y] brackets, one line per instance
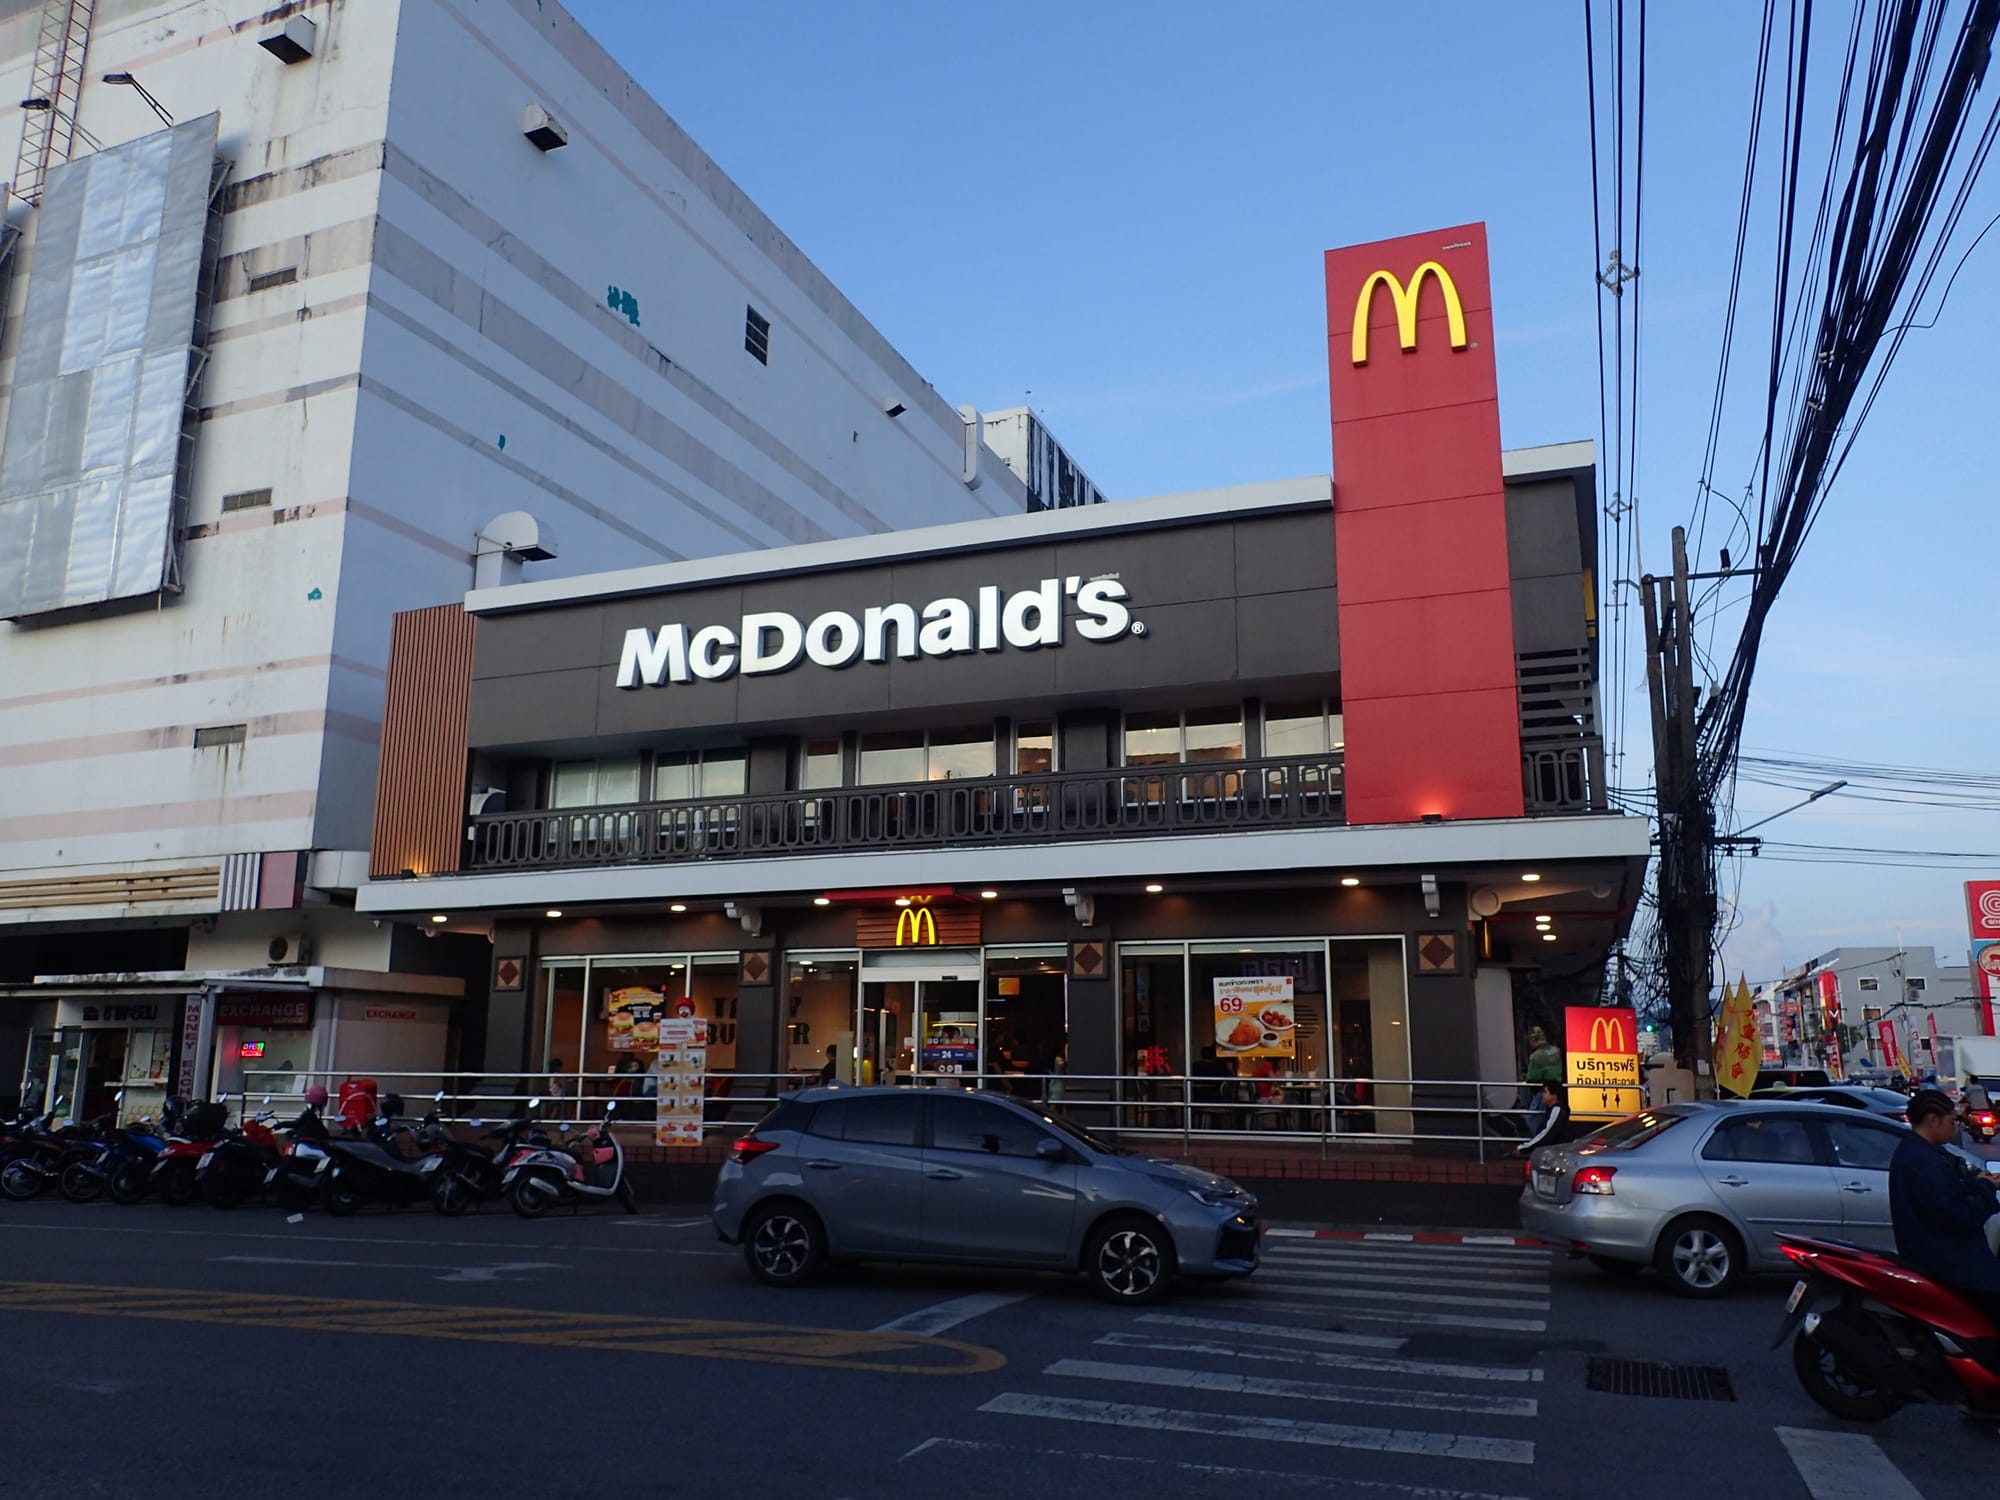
[1700, 1191]
[945, 1175]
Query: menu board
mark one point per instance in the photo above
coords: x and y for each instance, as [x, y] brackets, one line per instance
[1255, 1017]
[681, 1068]
[634, 1019]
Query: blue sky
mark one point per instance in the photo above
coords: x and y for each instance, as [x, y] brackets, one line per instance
[1116, 212]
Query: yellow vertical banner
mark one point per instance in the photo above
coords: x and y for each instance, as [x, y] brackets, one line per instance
[1739, 1052]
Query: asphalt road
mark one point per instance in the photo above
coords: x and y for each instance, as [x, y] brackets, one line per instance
[161, 1351]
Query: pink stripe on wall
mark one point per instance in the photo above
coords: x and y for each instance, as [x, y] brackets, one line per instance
[270, 807]
[181, 737]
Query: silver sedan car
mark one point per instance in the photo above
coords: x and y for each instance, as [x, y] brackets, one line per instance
[1700, 1191]
[945, 1175]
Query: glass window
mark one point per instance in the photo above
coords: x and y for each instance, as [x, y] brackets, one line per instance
[892, 756]
[961, 754]
[673, 776]
[572, 784]
[617, 780]
[979, 1125]
[874, 1120]
[819, 764]
[1773, 1139]
[595, 783]
[1295, 728]
[725, 773]
[1152, 739]
[1034, 749]
[1867, 1147]
[1215, 734]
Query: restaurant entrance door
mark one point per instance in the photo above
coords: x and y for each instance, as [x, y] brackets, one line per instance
[923, 1018]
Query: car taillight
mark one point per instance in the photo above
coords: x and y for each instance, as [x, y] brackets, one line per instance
[1595, 1180]
[749, 1148]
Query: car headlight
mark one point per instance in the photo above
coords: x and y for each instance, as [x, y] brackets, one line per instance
[1213, 1197]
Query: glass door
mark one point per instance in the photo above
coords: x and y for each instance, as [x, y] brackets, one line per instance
[950, 1032]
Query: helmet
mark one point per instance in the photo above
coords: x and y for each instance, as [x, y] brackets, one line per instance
[316, 1096]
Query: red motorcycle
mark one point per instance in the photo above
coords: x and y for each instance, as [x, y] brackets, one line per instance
[1874, 1335]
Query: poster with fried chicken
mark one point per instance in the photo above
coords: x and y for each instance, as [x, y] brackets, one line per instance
[1254, 1017]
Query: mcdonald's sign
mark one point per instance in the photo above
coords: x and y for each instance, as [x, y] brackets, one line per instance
[1405, 299]
[1600, 1029]
[918, 926]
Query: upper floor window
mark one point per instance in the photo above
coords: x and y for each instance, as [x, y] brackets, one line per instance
[1870, 982]
[893, 756]
[1165, 738]
[819, 764]
[1034, 748]
[679, 775]
[1917, 984]
[604, 782]
[1312, 726]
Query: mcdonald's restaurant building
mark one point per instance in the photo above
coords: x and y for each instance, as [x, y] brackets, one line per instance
[1298, 782]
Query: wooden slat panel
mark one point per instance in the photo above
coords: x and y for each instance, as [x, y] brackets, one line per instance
[420, 786]
[921, 927]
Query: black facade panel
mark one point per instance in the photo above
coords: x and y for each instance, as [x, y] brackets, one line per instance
[1284, 554]
[1541, 530]
[1548, 613]
[1285, 636]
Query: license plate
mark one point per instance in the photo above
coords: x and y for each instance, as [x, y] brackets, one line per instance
[1798, 1295]
[1545, 1184]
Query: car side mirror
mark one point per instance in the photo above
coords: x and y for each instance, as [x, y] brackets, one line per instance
[1048, 1148]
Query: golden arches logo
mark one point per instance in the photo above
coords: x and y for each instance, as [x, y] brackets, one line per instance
[1405, 298]
[1607, 1034]
[916, 927]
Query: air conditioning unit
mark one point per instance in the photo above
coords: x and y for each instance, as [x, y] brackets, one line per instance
[486, 799]
[293, 950]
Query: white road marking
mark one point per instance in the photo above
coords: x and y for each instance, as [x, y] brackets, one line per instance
[936, 1319]
[449, 1273]
[1264, 1429]
[1426, 1254]
[644, 1221]
[1438, 1299]
[1276, 1331]
[1844, 1466]
[364, 1241]
[1375, 1364]
[1394, 1316]
[1274, 1479]
[1273, 1275]
[1292, 1390]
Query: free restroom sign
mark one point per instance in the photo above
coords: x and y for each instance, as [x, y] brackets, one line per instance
[1602, 1050]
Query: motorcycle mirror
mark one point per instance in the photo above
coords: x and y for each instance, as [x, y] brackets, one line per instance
[267, 1098]
[438, 1097]
[119, 1097]
[475, 1122]
[380, 1121]
[145, 1119]
[535, 1103]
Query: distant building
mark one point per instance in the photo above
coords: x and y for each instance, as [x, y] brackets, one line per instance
[1829, 1012]
[1053, 479]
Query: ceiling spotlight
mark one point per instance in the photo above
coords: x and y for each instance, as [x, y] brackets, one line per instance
[439, 917]
[1154, 888]
[1350, 880]
[822, 901]
[1548, 937]
[988, 895]
[1542, 921]
[1531, 877]
[902, 900]
[552, 912]
[678, 906]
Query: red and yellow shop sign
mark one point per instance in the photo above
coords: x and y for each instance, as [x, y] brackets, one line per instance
[918, 925]
[1405, 300]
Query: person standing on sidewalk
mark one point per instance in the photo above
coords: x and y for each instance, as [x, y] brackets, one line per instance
[1545, 1071]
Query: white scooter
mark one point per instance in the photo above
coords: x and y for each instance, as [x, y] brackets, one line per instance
[585, 1169]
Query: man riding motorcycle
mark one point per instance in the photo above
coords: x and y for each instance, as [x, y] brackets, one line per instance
[1940, 1210]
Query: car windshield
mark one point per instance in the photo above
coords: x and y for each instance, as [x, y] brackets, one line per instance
[1078, 1133]
[1626, 1134]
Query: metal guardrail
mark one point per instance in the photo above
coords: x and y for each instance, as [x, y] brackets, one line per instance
[1300, 791]
[1211, 1111]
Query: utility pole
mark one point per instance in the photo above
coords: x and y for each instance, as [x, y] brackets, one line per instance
[1686, 820]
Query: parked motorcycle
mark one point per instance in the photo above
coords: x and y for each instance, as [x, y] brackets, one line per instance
[371, 1168]
[192, 1130]
[1873, 1335]
[589, 1168]
[33, 1155]
[240, 1164]
[474, 1172]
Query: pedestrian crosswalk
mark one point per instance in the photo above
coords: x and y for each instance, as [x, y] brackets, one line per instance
[1341, 1344]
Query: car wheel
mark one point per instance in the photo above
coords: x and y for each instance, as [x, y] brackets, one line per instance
[785, 1245]
[1623, 1269]
[1699, 1257]
[1130, 1261]
[1837, 1388]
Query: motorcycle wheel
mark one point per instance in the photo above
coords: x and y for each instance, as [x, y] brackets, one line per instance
[79, 1184]
[627, 1199]
[21, 1182]
[528, 1203]
[452, 1196]
[129, 1183]
[1837, 1388]
[223, 1191]
[178, 1187]
[338, 1199]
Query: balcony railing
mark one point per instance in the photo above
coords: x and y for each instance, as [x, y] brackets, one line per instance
[1126, 801]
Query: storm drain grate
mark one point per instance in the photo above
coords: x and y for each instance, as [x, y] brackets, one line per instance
[1645, 1377]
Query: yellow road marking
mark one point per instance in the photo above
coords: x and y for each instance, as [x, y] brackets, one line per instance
[689, 1338]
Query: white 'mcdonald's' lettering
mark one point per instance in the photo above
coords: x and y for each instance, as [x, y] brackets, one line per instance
[769, 641]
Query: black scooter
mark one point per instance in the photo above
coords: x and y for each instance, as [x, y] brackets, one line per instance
[372, 1169]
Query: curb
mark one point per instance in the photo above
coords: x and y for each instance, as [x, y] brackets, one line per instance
[1489, 1240]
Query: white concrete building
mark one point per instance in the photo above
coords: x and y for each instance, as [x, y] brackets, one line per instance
[467, 268]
